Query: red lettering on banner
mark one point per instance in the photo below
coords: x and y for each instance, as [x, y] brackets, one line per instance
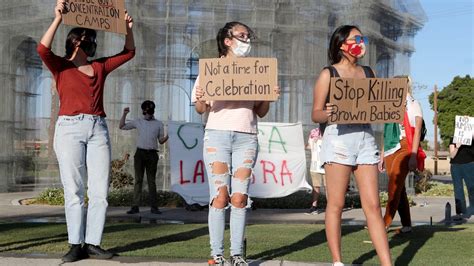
[271, 171]
[181, 177]
[199, 171]
[285, 171]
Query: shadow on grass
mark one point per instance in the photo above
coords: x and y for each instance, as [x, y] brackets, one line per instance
[30, 242]
[183, 236]
[311, 240]
[416, 239]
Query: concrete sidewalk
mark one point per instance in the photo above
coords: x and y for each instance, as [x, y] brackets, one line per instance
[427, 210]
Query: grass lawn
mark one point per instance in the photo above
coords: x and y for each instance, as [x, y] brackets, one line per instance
[435, 245]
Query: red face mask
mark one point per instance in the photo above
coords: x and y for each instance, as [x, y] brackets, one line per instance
[354, 49]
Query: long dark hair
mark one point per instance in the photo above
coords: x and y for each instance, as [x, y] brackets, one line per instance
[337, 39]
[226, 32]
[76, 35]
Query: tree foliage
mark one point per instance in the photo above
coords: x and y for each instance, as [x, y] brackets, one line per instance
[455, 99]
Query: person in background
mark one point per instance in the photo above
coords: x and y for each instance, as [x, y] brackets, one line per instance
[462, 168]
[81, 139]
[316, 169]
[348, 148]
[399, 154]
[150, 131]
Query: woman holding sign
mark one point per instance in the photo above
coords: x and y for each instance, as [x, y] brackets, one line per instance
[348, 148]
[230, 150]
[81, 140]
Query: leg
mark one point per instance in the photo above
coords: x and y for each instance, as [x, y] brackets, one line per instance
[216, 156]
[336, 186]
[243, 159]
[69, 145]
[459, 197]
[404, 208]
[397, 170]
[367, 182]
[139, 165]
[316, 179]
[98, 166]
[151, 168]
[469, 180]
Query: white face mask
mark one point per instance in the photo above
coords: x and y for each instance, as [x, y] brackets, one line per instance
[242, 49]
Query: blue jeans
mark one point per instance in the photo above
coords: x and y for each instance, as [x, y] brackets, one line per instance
[460, 172]
[237, 150]
[82, 146]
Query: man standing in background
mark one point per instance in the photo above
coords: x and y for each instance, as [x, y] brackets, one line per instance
[146, 157]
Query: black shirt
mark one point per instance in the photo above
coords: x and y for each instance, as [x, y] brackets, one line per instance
[464, 155]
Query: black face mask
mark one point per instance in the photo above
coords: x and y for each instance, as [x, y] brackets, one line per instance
[88, 47]
[148, 111]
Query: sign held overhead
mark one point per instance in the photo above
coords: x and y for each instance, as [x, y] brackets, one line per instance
[105, 15]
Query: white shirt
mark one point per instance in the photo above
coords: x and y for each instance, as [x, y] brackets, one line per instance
[149, 131]
[413, 109]
[230, 115]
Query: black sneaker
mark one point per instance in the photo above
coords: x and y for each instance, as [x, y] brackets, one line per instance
[313, 210]
[75, 253]
[133, 210]
[97, 252]
[238, 260]
[155, 210]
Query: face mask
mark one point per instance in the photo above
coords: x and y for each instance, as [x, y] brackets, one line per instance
[242, 49]
[148, 111]
[356, 50]
[88, 47]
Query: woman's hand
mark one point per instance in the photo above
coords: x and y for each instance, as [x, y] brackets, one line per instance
[199, 94]
[381, 166]
[329, 109]
[128, 20]
[412, 163]
[60, 9]
[277, 91]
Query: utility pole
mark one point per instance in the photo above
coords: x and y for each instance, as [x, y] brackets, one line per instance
[435, 105]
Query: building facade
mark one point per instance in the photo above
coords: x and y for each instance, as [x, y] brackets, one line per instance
[171, 36]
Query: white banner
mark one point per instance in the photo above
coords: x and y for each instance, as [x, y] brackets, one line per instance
[463, 130]
[280, 169]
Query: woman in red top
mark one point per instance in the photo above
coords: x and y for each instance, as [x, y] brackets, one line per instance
[81, 139]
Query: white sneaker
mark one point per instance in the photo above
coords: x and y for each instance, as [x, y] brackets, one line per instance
[338, 263]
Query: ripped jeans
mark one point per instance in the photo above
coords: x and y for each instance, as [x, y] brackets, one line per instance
[236, 150]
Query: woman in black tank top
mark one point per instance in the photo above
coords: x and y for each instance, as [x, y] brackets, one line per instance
[348, 148]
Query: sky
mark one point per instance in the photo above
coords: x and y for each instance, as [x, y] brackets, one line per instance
[444, 50]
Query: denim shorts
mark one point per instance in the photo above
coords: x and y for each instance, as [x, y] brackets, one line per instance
[351, 144]
[237, 150]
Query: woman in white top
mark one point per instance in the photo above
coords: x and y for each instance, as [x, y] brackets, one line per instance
[230, 150]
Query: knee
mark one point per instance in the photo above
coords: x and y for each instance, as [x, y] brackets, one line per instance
[239, 200]
[220, 202]
[371, 207]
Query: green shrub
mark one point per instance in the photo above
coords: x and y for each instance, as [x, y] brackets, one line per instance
[439, 189]
[384, 200]
[119, 179]
[51, 196]
[422, 183]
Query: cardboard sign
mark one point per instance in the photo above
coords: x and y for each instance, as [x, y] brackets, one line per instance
[106, 15]
[238, 79]
[463, 130]
[372, 100]
[280, 168]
